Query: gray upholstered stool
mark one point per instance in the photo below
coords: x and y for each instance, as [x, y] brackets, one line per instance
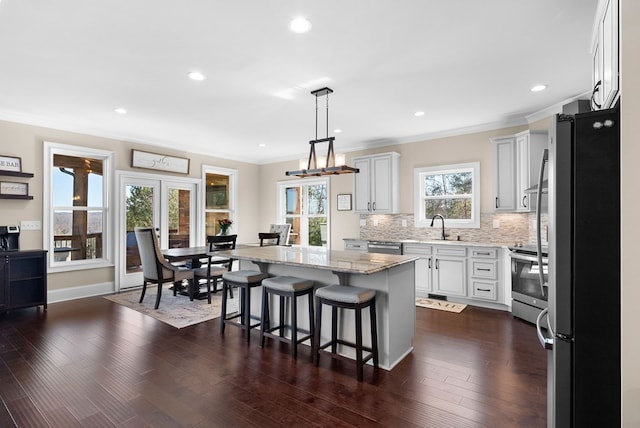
[291, 287]
[347, 297]
[244, 280]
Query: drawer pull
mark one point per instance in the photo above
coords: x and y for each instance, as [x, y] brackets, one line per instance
[486, 270]
[483, 289]
[483, 254]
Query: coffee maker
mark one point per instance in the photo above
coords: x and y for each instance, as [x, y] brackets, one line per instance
[9, 238]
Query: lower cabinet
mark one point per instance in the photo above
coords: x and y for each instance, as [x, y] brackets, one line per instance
[23, 279]
[471, 273]
[450, 271]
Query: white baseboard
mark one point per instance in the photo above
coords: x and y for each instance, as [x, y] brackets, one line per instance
[71, 293]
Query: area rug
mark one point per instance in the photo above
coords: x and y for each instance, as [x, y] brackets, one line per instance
[441, 305]
[177, 311]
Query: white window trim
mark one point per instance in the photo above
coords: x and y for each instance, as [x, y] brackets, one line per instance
[281, 211]
[421, 221]
[233, 197]
[107, 157]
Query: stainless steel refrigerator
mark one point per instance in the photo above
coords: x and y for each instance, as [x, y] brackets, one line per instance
[583, 339]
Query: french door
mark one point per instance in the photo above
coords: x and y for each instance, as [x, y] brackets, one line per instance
[167, 204]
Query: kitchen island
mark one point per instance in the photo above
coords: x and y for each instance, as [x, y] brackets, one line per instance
[392, 276]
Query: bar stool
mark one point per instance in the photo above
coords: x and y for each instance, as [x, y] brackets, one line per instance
[244, 280]
[347, 297]
[291, 287]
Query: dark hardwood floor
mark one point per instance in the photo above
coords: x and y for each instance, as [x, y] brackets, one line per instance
[94, 363]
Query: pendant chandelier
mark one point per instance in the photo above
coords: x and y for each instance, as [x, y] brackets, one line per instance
[330, 167]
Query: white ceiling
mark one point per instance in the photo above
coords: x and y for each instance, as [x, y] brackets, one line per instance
[467, 64]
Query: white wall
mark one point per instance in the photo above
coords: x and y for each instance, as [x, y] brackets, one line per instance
[630, 178]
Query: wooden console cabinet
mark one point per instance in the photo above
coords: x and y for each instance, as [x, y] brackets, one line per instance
[23, 279]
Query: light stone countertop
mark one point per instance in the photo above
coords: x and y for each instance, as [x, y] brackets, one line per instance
[320, 258]
[441, 242]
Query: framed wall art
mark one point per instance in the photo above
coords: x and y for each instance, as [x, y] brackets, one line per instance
[12, 188]
[10, 163]
[344, 202]
[158, 162]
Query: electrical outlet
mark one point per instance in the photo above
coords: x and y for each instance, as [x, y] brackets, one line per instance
[363, 222]
[30, 225]
[375, 222]
[404, 223]
[496, 224]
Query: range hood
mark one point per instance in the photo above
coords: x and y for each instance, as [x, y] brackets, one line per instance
[534, 188]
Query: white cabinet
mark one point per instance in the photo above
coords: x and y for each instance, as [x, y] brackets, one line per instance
[376, 186]
[529, 150]
[504, 173]
[484, 273]
[450, 271]
[606, 55]
[423, 267]
[516, 165]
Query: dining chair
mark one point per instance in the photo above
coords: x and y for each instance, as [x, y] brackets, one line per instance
[154, 266]
[284, 230]
[270, 238]
[215, 266]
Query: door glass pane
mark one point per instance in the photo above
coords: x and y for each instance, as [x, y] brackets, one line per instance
[318, 231]
[317, 199]
[293, 200]
[139, 206]
[179, 217]
[217, 192]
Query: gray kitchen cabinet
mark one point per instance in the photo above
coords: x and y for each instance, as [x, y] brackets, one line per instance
[529, 150]
[484, 273]
[450, 271]
[423, 267]
[606, 55]
[504, 173]
[376, 186]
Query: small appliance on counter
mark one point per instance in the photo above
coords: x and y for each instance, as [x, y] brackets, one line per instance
[9, 238]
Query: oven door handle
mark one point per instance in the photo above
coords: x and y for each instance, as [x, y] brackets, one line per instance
[527, 258]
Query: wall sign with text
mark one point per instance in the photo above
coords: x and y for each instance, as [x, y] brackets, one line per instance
[158, 162]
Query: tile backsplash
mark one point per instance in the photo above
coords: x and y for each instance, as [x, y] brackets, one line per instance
[512, 227]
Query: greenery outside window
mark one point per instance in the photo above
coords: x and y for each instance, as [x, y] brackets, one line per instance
[77, 223]
[304, 205]
[452, 191]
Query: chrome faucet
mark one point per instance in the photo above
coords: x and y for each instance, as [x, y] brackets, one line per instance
[444, 236]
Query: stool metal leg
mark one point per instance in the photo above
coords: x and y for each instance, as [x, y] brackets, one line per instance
[312, 327]
[225, 287]
[359, 364]
[263, 319]
[294, 325]
[334, 329]
[247, 313]
[316, 332]
[374, 333]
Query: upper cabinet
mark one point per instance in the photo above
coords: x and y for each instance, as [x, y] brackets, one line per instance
[606, 55]
[516, 167]
[504, 173]
[376, 187]
[529, 150]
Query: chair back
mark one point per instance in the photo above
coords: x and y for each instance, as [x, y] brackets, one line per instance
[284, 230]
[222, 241]
[270, 238]
[149, 250]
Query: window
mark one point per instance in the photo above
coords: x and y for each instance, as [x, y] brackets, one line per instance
[304, 205]
[453, 191]
[219, 200]
[77, 219]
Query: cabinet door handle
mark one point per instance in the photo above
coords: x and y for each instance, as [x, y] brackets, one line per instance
[437, 263]
[368, 206]
[374, 206]
[596, 89]
[524, 201]
[497, 202]
[429, 262]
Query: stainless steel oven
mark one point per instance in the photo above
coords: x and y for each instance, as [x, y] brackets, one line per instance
[529, 295]
[386, 247]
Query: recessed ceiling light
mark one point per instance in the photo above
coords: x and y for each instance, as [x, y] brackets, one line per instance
[120, 110]
[299, 25]
[418, 113]
[262, 145]
[538, 88]
[196, 75]
[337, 131]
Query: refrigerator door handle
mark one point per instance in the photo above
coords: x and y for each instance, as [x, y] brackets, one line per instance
[546, 342]
[543, 163]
